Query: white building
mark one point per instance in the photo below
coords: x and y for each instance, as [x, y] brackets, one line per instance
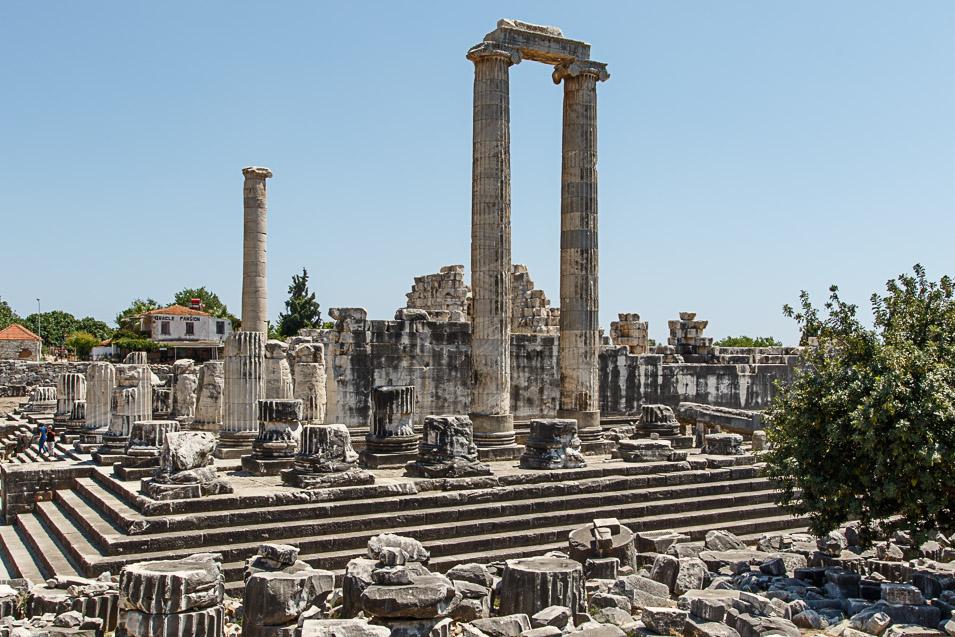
[183, 332]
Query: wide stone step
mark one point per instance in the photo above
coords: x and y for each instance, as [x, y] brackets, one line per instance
[71, 537]
[102, 490]
[470, 520]
[334, 552]
[48, 552]
[18, 559]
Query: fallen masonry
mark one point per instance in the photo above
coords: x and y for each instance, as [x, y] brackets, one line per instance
[780, 584]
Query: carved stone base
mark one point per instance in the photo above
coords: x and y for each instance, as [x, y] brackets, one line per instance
[266, 466]
[233, 445]
[457, 468]
[504, 452]
[164, 491]
[349, 478]
[373, 460]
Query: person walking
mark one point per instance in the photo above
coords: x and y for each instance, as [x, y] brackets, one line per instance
[51, 440]
[42, 431]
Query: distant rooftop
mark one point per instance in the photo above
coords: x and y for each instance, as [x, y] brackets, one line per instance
[16, 332]
[176, 310]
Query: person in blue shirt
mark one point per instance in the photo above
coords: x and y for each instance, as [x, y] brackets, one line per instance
[42, 446]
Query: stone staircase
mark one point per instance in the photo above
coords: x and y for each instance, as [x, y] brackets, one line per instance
[8, 440]
[99, 523]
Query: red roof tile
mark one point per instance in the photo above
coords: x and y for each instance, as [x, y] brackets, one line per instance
[178, 310]
[16, 332]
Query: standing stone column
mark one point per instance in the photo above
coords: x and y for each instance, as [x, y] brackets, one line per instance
[391, 440]
[184, 385]
[579, 320]
[100, 381]
[131, 401]
[278, 373]
[244, 387]
[491, 246]
[254, 289]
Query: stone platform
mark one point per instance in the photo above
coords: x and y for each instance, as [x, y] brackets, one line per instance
[90, 521]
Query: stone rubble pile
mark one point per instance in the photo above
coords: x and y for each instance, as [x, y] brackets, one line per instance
[611, 583]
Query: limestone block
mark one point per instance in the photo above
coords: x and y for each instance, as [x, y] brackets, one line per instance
[504, 626]
[356, 579]
[211, 380]
[427, 597]
[415, 551]
[664, 621]
[720, 540]
[723, 444]
[343, 628]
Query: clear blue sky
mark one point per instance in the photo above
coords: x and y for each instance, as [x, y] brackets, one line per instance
[747, 150]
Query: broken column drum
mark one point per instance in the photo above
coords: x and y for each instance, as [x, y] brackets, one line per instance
[325, 459]
[391, 440]
[658, 419]
[277, 443]
[579, 302]
[552, 444]
[186, 468]
[244, 387]
[447, 450]
[530, 585]
[491, 246]
[254, 288]
[309, 374]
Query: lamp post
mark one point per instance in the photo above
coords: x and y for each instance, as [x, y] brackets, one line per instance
[39, 332]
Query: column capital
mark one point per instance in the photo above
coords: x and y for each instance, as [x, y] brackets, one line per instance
[581, 67]
[485, 50]
[256, 172]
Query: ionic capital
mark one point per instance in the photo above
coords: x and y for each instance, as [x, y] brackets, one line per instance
[581, 67]
[484, 50]
[256, 172]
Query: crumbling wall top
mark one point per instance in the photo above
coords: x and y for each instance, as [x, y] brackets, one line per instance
[538, 43]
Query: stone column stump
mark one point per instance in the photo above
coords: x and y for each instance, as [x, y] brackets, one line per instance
[186, 468]
[603, 538]
[131, 401]
[100, 381]
[326, 459]
[208, 415]
[146, 438]
[42, 400]
[277, 443]
[391, 442]
[552, 444]
[244, 386]
[70, 387]
[530, 585]
[447, 450]
[173, 598]
[310, 383]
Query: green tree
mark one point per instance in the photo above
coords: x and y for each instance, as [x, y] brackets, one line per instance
[866, 430]
[128, 318]
[53, 326]
[82, 343]
[210, 302]
[90, 325]
[7, 315]
[748, 341]
[301, 308]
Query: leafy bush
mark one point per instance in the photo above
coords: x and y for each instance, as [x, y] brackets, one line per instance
[82, 343]
[866, 430]
[748, 341]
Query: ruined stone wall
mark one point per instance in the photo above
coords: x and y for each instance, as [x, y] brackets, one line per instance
[18, 350]
[434, 357]
[33, 374]
[445, 291]
[626, 380]
[628, 330]
[531, 312]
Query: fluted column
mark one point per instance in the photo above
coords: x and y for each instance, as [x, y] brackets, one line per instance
[254, 289]
[100, 381]
[579, 303]
[244, 387]
[491, 246]
[70, 387]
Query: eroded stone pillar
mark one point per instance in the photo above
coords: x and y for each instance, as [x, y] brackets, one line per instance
[209, 397]
[254, 289]
[579, 303]
[278, 373]
[185, 383]
[310, 381]
[491, 246]
[100, 381]
[244, 387]
[131, 401]
[391, 440]
[70, 388]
